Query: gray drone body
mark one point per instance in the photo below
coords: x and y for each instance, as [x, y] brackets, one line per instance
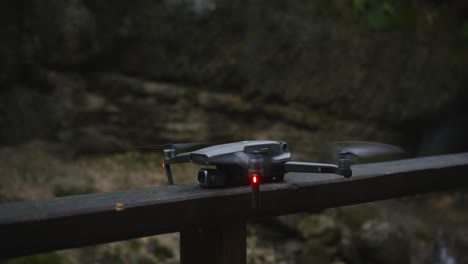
[260, 161]
[235, 162]
[240, 152]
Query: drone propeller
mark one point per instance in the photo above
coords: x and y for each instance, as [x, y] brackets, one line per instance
[344, 150]
[170, 146]
[170, 155]
[365, 149]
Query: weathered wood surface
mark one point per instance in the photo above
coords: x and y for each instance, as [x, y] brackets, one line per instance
[223, 243]
[50, 224]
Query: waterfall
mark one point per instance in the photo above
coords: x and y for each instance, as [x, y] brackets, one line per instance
[444, 249]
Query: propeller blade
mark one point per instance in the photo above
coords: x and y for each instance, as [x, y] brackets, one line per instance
[366, 149]
[171, 146]
[187, 145]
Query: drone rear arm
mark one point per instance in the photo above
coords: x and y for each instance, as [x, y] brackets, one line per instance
[309, 167]
[296, 166]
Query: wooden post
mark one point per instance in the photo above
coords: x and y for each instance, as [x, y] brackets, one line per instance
[214, 243]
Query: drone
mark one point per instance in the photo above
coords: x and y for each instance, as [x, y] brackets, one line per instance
[262, 161]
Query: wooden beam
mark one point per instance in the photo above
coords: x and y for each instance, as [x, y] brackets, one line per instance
[36, 226]
[223, 243]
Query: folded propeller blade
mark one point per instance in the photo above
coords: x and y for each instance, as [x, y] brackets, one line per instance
[171, 146]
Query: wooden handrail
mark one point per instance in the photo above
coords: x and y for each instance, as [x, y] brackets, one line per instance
[35, 226]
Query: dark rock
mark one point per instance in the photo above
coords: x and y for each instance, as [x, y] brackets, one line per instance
[382, 242]
[321, 227]
[305, 65]
[66, 31]
[28, 113]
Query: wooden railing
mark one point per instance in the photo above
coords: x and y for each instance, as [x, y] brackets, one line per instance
[211, 221]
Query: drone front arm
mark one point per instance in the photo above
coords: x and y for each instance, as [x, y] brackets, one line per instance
[181, 158]
[171, 158]
[309, 167]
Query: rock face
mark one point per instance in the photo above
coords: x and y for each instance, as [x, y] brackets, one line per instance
[86, 69]
[382, 242]
[97, 76]
[356, 234]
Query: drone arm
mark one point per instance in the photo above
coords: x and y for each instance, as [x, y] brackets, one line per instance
[309, 167]
[181, 158]
[343, 169]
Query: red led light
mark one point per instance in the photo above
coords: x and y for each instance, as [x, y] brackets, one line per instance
[255, 178]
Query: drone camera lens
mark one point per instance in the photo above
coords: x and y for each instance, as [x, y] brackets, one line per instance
[285, 147]
[210, 178]
[202, 176]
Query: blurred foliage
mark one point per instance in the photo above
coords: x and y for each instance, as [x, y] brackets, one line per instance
[46, 258]
[465, 29]
[81, 74]
[159, 250]
[96, 77]
[65, 190]
[377, 14]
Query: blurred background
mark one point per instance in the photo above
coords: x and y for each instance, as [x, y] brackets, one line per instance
[81, 79]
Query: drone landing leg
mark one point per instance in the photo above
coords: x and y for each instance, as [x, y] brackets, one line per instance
[167, 167]
[255, 195]
[255, 189]
[169, 154]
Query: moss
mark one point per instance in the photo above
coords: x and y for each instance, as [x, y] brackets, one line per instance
[135, 244]
[65, 190]
[114, 257]
[383, 242]
[376, 14]
[464, 29]
[355, 216]
[160, 251]
[316, 252]
[46, 258]
[321, 227]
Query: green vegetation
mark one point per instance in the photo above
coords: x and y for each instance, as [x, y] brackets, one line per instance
[46, 258]
[376, 14]
[82, 80]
